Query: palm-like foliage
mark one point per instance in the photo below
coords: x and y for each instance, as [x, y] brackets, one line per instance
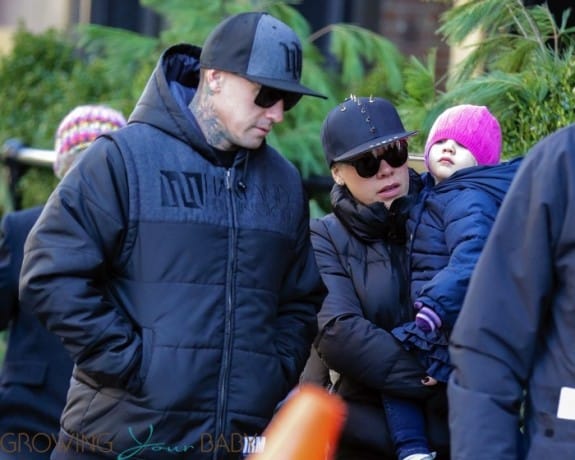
[513, 35]
[416, 104]
[522, 69]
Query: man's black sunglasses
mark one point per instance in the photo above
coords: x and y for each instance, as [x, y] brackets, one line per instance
[267, 97]
[395, 155]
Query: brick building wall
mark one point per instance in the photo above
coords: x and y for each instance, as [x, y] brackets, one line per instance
[412, 25]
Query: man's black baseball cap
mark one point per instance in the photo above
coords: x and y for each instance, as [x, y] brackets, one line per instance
[258, 47]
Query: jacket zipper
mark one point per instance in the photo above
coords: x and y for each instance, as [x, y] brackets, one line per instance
[221, 415]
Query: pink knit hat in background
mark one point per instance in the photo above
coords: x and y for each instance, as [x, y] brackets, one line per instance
[472, 126]
[78, 129]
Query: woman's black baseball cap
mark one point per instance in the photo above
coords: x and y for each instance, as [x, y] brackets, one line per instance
[358, 125]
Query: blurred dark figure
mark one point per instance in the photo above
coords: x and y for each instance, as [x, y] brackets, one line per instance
[36, 371]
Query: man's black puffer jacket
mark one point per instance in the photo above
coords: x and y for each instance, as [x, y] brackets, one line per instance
[185, 291]
[362, 256]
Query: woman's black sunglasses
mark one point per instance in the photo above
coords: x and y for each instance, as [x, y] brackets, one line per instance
[267, 97]
[394, 154]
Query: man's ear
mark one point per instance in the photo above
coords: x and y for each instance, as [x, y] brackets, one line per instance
[214, 79]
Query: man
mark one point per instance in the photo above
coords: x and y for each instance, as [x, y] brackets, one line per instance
[512, 346]
[175, 262]
[36, 370]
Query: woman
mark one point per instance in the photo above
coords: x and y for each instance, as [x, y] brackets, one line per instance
[360, 250]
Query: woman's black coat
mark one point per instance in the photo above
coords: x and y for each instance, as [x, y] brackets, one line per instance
[362, 256]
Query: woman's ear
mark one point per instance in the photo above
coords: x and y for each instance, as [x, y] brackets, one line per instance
[336, 174]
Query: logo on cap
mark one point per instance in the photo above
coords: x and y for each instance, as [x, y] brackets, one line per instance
[293, 57]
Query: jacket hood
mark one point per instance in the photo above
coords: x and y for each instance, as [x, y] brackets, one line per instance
[178, 68]
[492, 179]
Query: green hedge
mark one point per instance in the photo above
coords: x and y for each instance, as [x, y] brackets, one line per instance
[41, 80]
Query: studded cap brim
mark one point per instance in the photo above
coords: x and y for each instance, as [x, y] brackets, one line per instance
[358, 125]
[372, 144]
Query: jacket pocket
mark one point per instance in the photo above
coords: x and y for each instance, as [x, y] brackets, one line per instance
[148, 339]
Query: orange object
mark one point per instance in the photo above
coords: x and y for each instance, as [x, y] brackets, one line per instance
[307, 427]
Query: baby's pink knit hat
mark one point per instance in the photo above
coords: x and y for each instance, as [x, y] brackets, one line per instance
[78, 129]
[472, 126]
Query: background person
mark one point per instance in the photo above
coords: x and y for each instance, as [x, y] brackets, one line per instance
[36, 370]
[512, 345]
[175, 263]
[361, 250]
